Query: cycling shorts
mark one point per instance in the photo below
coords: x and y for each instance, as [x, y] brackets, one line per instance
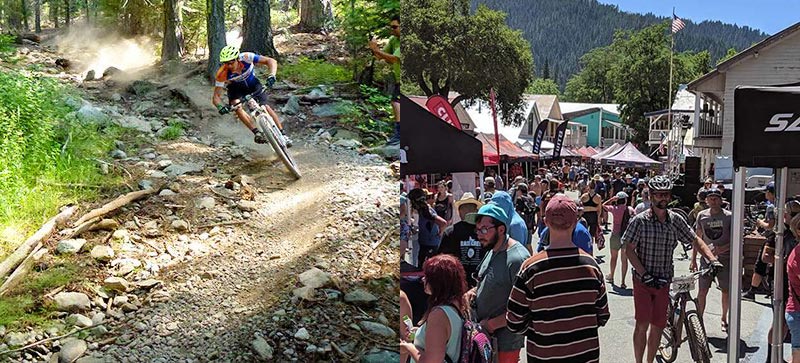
[237, 90]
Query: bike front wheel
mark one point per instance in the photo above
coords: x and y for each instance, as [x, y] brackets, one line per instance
[698, 341]
[279, 147]
[668, 346]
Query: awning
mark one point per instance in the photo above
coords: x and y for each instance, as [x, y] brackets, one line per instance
[629, 155]
[508, 150]
[429, 145]
[607, 151]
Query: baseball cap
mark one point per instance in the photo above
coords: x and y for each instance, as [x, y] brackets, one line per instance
[770, 187]
[561, 212]
[622, 195]
[491, 210]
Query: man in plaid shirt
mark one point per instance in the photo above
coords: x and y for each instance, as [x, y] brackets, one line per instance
[651, 239]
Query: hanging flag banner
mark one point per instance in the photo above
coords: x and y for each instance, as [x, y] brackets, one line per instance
[440, 107]
[561, 131]
[539, 136]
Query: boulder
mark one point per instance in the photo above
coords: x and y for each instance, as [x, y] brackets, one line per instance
[15, 339]
[331, 109]
[69, 246]
[117, 154]
[116, 284]
[71, 350]
[350, 144]
[378, 329]
[343, 134]
[72, 301]
[292, 106]
[304, 293]
[262, 348]
[133, 122]
[79, 320]
[91, 115]
[184, 168]
[145, 184]
[102, 253]
[314, 278]
[360, 297]
[144, 107]
[166, 193]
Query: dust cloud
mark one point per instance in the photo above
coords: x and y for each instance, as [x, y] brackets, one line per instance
[96, 49]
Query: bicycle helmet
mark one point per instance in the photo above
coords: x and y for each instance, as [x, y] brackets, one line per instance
[660, 183]
[702, 193]
[228, 53]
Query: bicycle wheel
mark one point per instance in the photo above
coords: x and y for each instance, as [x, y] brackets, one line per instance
[669, 342]
[698, 342]
[279, 148]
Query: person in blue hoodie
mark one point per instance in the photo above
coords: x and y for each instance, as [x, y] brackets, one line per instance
[518, 231]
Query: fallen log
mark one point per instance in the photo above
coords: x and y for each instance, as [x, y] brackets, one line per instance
[115, 204]
[42, 234]
[74, 232]
[23, 269]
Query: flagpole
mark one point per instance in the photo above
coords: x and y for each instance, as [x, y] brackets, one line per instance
[672, 156]
[496, 134]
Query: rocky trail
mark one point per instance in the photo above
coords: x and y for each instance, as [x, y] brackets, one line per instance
[229, 259]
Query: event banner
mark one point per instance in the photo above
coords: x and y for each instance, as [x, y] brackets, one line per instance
[539, 136]
[561, 131]
[766, 127]
[439, 106]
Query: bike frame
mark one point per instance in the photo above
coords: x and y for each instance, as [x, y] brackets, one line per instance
[258, 111]
[680, 300]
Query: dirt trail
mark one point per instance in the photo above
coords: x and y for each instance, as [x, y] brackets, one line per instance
[225, 286]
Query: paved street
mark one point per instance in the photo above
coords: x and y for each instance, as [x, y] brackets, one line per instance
[616, 337]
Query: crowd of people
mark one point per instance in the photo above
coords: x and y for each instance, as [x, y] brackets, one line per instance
[554, 294]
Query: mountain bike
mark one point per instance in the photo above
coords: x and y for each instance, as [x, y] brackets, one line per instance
[679, 316]
[267, 125]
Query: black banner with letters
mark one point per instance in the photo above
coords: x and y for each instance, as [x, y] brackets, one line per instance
[561, 131]
[539, 136]
[766, 126]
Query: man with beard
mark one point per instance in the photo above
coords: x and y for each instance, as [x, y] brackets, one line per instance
[496, 275]
[714, 226]
[650, 240]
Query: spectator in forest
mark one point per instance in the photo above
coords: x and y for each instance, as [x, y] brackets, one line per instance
[391, 54]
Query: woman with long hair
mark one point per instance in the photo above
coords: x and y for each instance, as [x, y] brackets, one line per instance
[431, 226]
[439, 335]
[443, 204]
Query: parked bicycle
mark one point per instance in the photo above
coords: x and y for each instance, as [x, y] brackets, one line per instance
[267, 125]
[680, 316]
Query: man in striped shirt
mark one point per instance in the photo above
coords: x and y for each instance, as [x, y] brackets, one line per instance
[559, 298]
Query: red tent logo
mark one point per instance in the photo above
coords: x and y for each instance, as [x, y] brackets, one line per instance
[439, 106]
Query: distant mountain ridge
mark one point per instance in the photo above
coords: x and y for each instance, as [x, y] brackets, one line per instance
[561, 31]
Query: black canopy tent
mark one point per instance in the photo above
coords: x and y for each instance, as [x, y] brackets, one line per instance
[766, 130]
[429, 145]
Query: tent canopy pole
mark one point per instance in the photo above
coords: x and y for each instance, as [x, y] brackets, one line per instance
[777, 303]
[734, 329]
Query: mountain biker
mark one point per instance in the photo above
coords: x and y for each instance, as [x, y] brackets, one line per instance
[650, 241]
[237, 75]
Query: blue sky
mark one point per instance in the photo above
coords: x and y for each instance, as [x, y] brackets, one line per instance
[770, 16]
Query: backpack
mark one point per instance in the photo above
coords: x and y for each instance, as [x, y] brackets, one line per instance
[476, 346]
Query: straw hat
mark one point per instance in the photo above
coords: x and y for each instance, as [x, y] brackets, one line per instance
[597, 177]
[468, 198]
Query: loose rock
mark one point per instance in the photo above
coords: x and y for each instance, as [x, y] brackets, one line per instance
[71, 350]
[378, 329]
[116, 284]
[360, 297]
[72, 302]
[314, 278]
[262, 348]
[79, 320]
[180, 225]
[302, 334]
[69, 246]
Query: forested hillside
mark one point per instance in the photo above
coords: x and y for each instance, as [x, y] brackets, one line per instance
[561, 31]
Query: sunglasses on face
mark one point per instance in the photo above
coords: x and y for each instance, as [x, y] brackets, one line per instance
[662, 194]
[394, 26]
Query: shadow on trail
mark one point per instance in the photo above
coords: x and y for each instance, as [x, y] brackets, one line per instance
[720, 346]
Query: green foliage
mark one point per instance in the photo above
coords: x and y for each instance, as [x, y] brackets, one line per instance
[44, 281]
[541, 86]
[728, 55]
[563, 30]
[175, 129]
[283, 19]
[359, 19]
[17, 311]
[635, 69]
[6, 45]
[41, 148]
[23, 307]
[372, 117]
[313, 72]
[448, 49]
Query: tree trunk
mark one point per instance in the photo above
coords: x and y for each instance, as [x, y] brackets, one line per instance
[173, 37]
[54, 12]
[37, 15]
[215, 23]
[315, 15]
[67, 15]
[257, 28]
[25, 14]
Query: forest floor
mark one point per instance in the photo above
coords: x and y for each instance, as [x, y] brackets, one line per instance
[229, 259]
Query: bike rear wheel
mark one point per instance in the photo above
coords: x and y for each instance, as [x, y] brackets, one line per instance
[698, 342]
[279, 148]
[669, 342]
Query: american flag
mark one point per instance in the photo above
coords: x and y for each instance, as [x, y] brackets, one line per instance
[677, 24]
